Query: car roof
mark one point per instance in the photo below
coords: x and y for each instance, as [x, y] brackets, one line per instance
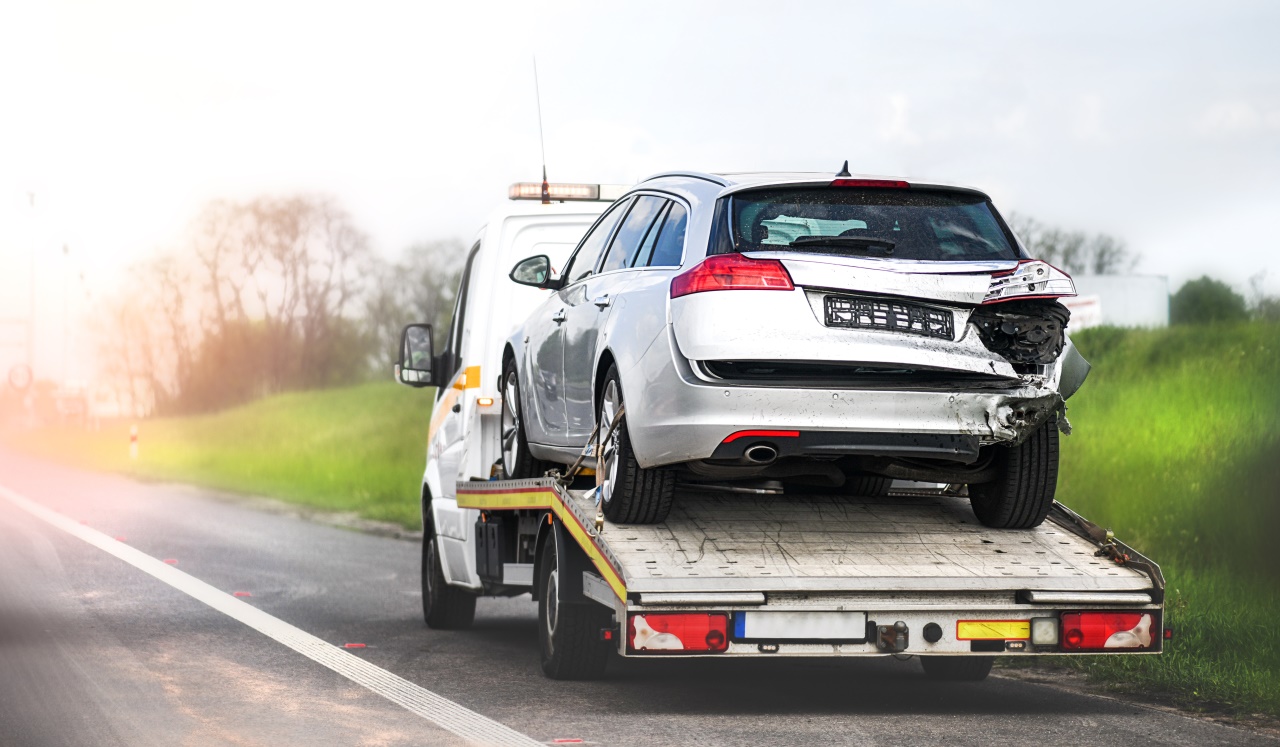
[730, 182]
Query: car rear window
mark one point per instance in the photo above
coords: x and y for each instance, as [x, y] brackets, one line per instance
[898, 223]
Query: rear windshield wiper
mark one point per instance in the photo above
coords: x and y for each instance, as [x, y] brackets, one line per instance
[852, 242]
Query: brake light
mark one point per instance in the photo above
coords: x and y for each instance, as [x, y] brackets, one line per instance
[1032, 278]
[698, 632]
[731, 272]
[1094, 631]
[874, 183]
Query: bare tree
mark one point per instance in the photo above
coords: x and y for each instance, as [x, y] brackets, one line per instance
[419, 287]
[1076, 252]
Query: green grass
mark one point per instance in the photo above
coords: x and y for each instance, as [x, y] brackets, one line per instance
[358, 449]
[1177, 448]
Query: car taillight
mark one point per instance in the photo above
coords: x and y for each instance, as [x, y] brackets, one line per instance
[662, 632]
[1095, 631]
[731, 272]
[1032, 278]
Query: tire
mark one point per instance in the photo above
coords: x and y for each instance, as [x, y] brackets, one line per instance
[1026, 479]
[444, 607]
[517, 462]
[871, 486]
[568, 634]
[957, 668]
[632, 494]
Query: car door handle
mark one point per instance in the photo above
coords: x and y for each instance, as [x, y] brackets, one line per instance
[559, 316]
[602, 301]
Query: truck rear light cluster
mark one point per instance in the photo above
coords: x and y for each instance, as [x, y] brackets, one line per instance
[1096, 631]
[661, 632]
[732, 272]
[1032, 278]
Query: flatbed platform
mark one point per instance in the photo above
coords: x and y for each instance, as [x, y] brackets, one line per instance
[915, 542]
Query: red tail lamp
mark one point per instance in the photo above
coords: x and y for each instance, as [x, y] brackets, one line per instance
[672, 633]
[721, 272]
[1097, 631]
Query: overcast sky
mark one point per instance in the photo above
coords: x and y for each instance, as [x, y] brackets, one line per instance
[1157, 122]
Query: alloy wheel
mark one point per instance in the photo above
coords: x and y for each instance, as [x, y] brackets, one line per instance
[608, 462]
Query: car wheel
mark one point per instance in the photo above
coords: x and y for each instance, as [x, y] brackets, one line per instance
[568, 634]
[957, 668]
[443, 606]
[630, 493]
[1026, 479]
[517, 462]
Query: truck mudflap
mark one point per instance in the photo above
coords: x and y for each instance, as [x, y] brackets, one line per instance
[911, 573]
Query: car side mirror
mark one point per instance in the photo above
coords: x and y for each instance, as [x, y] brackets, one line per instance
[534, 271]
[414, 365]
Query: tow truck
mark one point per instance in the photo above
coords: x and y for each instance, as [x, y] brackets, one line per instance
[732, 571]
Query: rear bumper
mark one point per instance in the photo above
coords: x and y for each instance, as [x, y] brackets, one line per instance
[672, 416]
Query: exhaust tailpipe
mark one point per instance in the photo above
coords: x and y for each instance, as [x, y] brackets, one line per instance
[761, 454]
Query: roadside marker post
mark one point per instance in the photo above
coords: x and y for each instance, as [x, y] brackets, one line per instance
[133, 443]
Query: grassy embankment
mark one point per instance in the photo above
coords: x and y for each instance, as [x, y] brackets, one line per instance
[1176, 447]
[356, 449]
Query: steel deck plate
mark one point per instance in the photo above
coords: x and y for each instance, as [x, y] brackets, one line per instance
[732, 542]
[926, 542]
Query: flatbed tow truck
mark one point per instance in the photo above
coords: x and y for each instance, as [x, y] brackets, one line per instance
[733, 571]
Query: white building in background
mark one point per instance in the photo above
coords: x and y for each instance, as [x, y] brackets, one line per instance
[1119, 301]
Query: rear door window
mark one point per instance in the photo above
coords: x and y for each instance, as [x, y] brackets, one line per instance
[668, 248]
[635, 227]
[583, 261]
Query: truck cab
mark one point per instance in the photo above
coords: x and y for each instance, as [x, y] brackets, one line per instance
[464, 437]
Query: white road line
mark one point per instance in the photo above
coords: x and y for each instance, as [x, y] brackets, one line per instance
[439, 710]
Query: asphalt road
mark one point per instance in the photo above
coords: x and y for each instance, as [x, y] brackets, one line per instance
[95, 651]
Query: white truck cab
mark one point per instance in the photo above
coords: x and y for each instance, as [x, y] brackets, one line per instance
[464, 440]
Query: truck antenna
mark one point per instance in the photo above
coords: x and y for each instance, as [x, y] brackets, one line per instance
[542, 142]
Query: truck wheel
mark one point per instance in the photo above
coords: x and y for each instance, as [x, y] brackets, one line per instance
[871, 486]
[568, 634]
[517, 462]
[957, 668]
[1026, 480]
[443, 606]
[631, 494]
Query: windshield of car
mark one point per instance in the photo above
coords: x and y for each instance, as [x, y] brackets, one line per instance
[915, 224]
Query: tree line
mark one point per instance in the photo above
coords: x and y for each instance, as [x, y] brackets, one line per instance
[265, 296]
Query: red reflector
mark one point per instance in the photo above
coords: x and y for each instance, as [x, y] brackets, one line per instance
[876, 183]
[760, 434]
[670, 633]
[1168, 634]
[1089, 631]
[731, 272]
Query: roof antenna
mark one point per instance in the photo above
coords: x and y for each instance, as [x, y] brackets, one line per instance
[542, 143]
[844, 170]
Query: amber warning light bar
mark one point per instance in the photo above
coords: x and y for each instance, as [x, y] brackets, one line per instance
[560, 192]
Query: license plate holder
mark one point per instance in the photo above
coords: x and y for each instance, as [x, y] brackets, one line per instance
[853, 312]
[800, 625]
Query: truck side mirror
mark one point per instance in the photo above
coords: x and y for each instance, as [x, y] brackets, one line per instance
[535, 271]
[414, 364]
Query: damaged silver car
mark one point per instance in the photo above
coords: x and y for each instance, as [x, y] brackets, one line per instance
[828, 333]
